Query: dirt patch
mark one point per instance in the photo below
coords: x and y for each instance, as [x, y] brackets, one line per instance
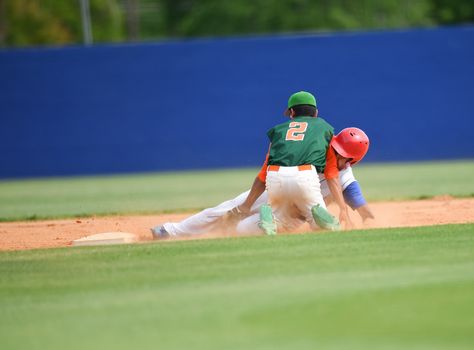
[60, 233]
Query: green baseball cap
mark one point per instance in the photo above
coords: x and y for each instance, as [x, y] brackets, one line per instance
[300, 98]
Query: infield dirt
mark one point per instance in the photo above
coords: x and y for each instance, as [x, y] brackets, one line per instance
[60, 233]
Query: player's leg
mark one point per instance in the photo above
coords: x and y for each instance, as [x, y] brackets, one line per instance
[284, 213]
[308, 194]
[285, 220]
[249, 225]
[275, 183]
[267, 221]
[206, 220]
[203, 221]
[288, 217]
[311, 202]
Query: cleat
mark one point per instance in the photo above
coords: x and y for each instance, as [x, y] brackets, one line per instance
[159, 232]
[267, 223]
[324, 219]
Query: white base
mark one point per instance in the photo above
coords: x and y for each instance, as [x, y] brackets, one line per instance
[105, 238]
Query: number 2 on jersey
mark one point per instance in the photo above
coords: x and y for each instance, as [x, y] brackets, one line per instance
[296, 131]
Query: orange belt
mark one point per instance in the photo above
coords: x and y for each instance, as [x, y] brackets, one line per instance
[300, 167]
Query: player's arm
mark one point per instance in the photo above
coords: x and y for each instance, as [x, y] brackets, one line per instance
[258, 187]
[352, 193]
[365, 213]
[336, 191]
[331, 173]
[355, 199]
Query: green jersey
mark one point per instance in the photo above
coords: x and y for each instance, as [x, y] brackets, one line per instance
[299, 141]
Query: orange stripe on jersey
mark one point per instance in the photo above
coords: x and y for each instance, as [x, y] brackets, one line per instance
[331, 171]
[262, 175]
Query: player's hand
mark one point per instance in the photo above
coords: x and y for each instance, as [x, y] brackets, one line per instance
[369, 222]
[233, 216]
[235, 212]
[345, 220]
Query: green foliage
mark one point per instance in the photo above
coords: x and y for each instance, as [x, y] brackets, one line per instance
[46, 22]
[452, 12]
[31, 22]
[215, 17]
[38, 22]
[107, 20]
[406, 288]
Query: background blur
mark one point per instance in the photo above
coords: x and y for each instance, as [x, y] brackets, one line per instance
[80, 105]
[58, 22]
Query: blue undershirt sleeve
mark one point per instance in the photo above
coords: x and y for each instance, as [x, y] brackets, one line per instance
[353, 196]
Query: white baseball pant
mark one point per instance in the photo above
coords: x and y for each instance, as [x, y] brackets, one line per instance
[205, 221]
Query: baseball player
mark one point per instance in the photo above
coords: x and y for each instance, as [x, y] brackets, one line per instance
[352, 145]
[299, 150]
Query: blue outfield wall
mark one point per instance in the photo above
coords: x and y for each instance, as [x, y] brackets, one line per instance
[208, 103]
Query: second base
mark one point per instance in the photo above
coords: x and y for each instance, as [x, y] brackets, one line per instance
[106, 238]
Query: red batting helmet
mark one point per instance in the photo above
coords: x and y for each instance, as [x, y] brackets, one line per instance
[351, 143]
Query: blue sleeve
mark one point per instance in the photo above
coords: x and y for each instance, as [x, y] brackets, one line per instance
[353, 196]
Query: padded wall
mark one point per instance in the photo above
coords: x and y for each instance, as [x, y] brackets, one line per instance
[208, 103]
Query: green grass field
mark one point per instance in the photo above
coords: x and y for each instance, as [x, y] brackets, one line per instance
[169, 192]
[377, 289]
[407, 288]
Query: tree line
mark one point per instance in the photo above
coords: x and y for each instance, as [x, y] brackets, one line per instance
[58, 22]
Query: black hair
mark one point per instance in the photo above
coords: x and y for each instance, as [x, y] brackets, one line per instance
[304, 110]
